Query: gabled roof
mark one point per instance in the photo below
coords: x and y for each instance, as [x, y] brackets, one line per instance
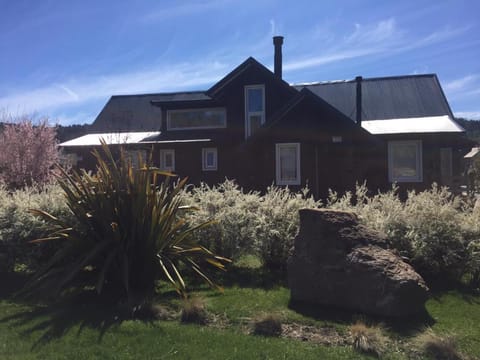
[124, 138]
[136, 113]
[116, 138]
[239, 70]
[396, 97]
[338, 119]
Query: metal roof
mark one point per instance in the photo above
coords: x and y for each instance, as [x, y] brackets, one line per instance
[412, 125]
[135, 112]
[112, 138]
[398, 97]
[473, 152]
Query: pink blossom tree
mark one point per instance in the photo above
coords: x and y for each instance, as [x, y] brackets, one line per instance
[28, 151]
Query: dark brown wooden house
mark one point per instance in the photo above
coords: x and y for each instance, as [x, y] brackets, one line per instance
[254, 127]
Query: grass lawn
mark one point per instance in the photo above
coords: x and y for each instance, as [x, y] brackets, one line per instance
[84, 328]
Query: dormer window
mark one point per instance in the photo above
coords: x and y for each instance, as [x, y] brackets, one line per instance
[254, 108]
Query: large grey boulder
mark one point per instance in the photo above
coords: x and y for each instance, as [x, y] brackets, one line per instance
[336, 261]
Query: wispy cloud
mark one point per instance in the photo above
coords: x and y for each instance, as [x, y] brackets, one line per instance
[184, 9]
[461, 84]
[364, 40]
[381, 38]
[74, 92]
[472, 115]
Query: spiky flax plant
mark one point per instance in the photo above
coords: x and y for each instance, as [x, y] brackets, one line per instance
[129, 231]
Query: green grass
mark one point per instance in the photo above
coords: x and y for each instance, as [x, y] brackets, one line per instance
[82, 327]
[458, 314]
[42, 337]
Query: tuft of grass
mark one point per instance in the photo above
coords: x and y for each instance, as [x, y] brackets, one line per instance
[194, 311]
[248, 261]
[368, 339]
[268, 325]
[438, 347]
[152, 311]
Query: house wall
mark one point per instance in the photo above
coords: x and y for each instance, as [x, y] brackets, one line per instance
[324, 164]
[431, 159]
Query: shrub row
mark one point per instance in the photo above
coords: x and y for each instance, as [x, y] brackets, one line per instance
[437, 232]
[18, 226]
[249, 222]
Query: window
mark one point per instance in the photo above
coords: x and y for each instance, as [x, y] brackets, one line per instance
[254, 108]
[446, 168]
[196, 119]
[167, 160]
[209, 159]
[405, 161]
[135, 156]
[287, 163]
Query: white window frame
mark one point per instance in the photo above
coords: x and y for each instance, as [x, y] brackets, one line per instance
[133, 157]
[418, 161]
[163, 155]
[279, 180]
[248, 114]
[205, 166]
[170, 127]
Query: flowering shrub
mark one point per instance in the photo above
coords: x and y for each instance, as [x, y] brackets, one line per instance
[18, 226]
[437, 232]
[28, 152]
[249, 223]
[431, 228]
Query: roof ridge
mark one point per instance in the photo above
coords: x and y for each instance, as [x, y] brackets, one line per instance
[162, 93]
[327, 82]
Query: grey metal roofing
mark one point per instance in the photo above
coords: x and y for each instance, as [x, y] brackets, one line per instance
[386, 97]
[135, 112]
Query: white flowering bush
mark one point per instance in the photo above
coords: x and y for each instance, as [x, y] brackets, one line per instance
[249, 222]
[432, 228]
[18, 226]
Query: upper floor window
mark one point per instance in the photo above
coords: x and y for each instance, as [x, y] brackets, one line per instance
[405, 161]
[187, 119]
[167, 160]
[254, 108]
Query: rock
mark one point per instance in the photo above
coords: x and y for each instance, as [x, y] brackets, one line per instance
[336, 261]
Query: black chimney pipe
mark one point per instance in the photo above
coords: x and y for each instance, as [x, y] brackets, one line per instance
[358, 117]
[277, 69]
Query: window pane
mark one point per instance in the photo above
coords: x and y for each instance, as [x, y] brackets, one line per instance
[210, 159]
[255, 100]
[210, 118]
[404, 160]
[288, 163]
[255, 123]
[168, 160]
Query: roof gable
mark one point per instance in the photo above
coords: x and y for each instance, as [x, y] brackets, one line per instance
[322, 116]
[241, 69]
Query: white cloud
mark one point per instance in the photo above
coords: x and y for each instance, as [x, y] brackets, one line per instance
[74, 92]
[384, 30]
[272, 28]
[183, 9]
[383, 37]
[471, 115]
[460, 84]
[380, 38]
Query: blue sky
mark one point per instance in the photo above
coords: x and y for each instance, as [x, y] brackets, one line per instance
[64, 59]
